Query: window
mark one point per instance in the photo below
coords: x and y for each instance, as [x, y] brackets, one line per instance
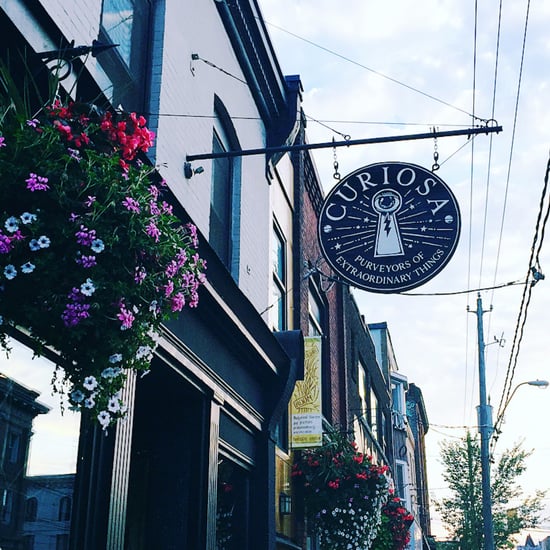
[126, 23]
[6, 506]
[279, 259]
[374, 415]
[315, 313]
[28, 542]
[14, 445]
[362, 387]
[232, 511]
[399, 411]
[225, 192]
[31, 508]
[65, 505]
[400, 478]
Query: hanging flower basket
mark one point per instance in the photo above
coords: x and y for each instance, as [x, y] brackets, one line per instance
[343, 492]
[92, 258]
[393, 533]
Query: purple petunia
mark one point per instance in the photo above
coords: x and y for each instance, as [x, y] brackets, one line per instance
[131, 204]
[37, 183]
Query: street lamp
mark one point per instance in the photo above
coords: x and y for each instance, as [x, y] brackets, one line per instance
[543, 384]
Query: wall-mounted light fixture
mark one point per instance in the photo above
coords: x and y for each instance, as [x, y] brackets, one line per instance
[285, 504]
[189, 172]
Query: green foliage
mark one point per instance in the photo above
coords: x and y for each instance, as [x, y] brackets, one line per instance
[462, 510]
[393, 533]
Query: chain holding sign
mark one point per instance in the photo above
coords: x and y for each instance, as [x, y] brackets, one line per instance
[389, 227]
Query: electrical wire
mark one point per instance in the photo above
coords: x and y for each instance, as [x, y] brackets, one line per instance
[488, 178]
[538, 239]
[522, 315]
[378, 73]
[470, 224]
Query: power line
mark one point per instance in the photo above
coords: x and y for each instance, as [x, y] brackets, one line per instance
[542, 220]
[378, 73]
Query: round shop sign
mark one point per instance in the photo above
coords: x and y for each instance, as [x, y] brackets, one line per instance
[389, 227]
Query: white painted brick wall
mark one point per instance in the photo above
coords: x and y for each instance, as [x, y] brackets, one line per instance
[188, 88]
[194, 26]
[78, 20]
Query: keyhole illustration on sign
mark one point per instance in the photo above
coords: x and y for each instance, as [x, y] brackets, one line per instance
[389, 227]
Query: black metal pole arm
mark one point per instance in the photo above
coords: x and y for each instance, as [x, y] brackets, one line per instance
[347, 143]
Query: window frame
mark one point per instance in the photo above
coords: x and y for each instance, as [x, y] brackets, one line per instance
[127, 72]
[229, 248]
[279, 269]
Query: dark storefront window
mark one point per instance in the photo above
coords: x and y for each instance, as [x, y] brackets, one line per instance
[232, 507]
[167, 473]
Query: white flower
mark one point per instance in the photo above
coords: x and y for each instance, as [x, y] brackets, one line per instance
[144, 352]
[113, 405]
[10, 272]
[34, 245]
[12, 225]
[104, 418]
[27, 217]
[43, 242]
[97, 246]
[89, 403]
[90, 383]
[115, 358]
[77, 396]
[87, 288]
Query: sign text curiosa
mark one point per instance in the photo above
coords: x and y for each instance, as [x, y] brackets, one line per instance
[389, 227]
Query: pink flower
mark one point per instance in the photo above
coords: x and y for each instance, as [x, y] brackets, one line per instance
[37, 183]
[168, 288]
[178, 301]
[171, 269]
[154, 208]
[126, 317]
[2, 139]
[166, 208]
[131, 204]
[139, 274]
[153, 231]
[154, 190]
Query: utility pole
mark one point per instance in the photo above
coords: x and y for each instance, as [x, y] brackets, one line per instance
[485, 429]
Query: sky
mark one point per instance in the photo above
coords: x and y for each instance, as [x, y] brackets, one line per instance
[377, 69]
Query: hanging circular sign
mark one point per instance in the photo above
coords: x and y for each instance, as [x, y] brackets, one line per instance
[389, 227]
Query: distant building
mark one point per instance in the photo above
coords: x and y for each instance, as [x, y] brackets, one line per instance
[48, 510]
[409, 426]
[19, 408]
[418, 421]
[544, 544]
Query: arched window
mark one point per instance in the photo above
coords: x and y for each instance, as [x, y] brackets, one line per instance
[225, 195]
[31, 507]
